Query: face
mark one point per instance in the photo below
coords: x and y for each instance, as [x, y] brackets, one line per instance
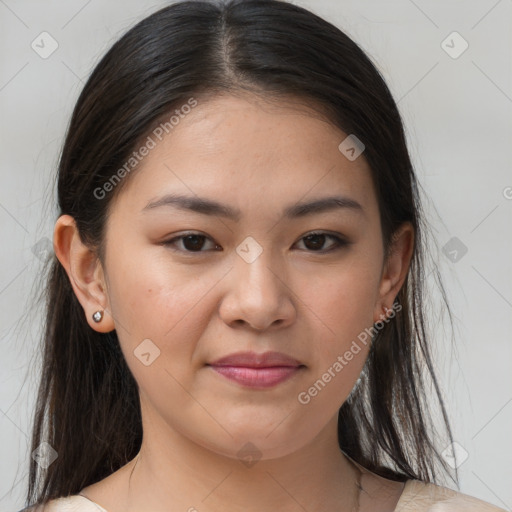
[189, 283]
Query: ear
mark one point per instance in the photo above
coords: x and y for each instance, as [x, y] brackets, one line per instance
[395, 269]
[85, 272]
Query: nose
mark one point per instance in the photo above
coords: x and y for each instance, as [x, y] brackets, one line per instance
[258, 295]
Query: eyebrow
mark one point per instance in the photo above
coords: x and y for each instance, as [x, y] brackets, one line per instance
[206, 206]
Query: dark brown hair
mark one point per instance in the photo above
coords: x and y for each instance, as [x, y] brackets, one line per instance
[88, 405]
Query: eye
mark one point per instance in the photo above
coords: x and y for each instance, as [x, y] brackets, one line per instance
[195, 242]
[190, 242]
[315, 241]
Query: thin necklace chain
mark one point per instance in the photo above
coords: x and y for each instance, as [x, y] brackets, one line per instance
[358, 487]
[358, 483]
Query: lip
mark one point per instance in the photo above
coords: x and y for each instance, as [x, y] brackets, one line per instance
[257, 370]
[255, 360]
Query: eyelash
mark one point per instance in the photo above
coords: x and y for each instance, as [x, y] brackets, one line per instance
[339, 242]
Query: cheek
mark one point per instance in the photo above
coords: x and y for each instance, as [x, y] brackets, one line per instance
[145, 292]
[343, 299]
[341, 304]
[345, 307]
[151, 300]
[160, 317]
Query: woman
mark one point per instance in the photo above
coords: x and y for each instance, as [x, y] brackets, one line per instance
[235, 308]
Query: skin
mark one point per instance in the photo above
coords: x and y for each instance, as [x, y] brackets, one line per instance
[196, 307]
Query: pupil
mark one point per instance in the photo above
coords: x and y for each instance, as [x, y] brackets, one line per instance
[316, 237]
[195, 244]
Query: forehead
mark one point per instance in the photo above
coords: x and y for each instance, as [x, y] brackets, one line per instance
[249, 152]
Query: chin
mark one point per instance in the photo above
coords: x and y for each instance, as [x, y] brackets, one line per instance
[250, 443]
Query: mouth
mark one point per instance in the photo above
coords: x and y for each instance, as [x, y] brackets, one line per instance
[254, 370]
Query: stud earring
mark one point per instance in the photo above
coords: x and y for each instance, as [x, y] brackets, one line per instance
[98, 316]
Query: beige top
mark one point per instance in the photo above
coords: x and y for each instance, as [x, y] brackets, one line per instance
[416, 497]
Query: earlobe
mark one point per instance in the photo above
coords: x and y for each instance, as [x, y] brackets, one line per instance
[85, 273]
[395, 268]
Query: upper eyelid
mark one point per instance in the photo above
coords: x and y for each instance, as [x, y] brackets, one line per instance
[308, 233]
[340, 239]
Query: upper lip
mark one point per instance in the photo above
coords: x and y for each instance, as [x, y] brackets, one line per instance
[255, 360]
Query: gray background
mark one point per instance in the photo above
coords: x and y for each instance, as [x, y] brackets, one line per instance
[457, 116]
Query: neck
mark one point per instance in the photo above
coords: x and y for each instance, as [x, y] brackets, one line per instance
[173, 473]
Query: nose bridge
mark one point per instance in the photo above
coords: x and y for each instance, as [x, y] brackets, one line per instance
[257, 296]
[254, 265]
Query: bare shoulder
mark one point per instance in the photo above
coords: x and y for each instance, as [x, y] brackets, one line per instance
[74, 503]
[107, 492]
[420, 496]
[378, 494]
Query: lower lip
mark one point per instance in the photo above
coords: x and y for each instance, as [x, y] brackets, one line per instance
[257, 377]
